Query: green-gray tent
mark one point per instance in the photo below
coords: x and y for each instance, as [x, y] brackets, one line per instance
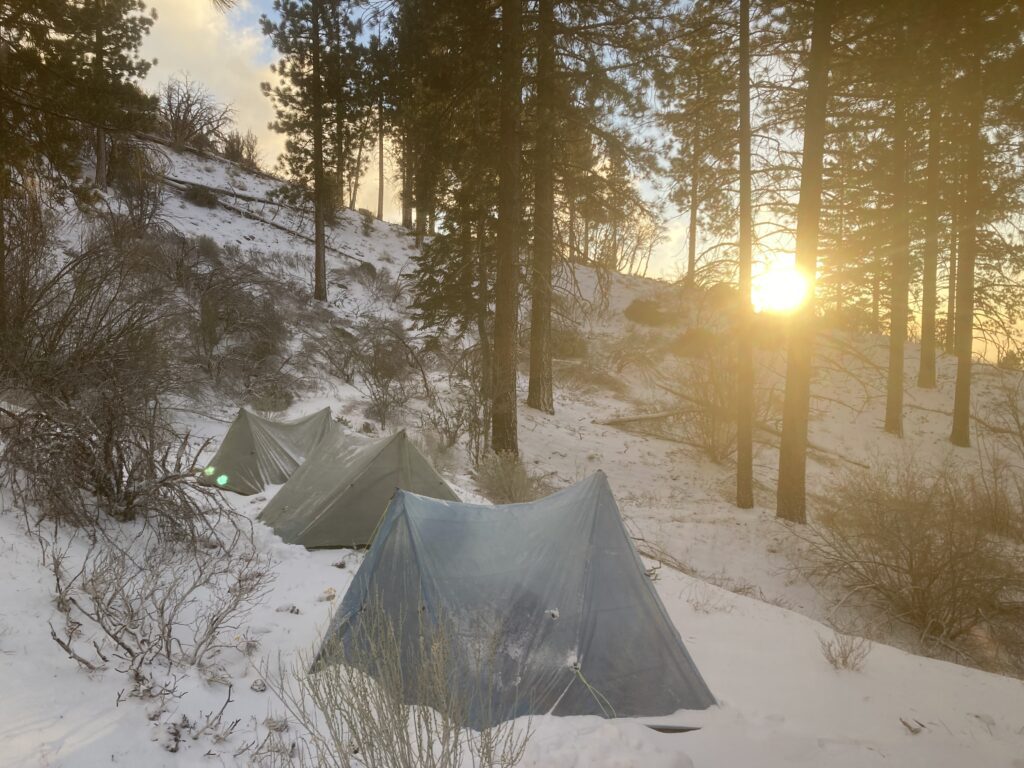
[257, 452]
[541, 608]
[339, 495]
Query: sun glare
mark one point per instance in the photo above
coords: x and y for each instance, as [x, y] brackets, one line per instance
[780, 290]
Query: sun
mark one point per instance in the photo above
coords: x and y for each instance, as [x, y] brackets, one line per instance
[779, 290]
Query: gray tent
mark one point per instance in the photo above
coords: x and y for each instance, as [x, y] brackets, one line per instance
[338, 497]
[257, 452]
[555, 585]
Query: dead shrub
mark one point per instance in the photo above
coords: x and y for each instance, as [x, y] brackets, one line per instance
[382, 360]
[568, 342]
[190, 116]
[380, 285]
[442, 456]
[118, 459]
[649, 312]
[136, 173]
[584, 376]
[77, 321]
[845, 651]
[242, 149]
[201, 196]
[640, 351]
[705, 388]
[504, 479]
[364, 704]
[136, 598]
[239, 332]
[909, 541]
[697, 342]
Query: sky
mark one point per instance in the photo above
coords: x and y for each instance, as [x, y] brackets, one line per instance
[230, 56]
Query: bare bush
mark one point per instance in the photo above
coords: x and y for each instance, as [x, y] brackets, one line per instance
[190, 115]
[242, 149]
[382, 359]
[908, 541]
[117, 460]
[706, 391]
[366, 222]
[504, 479]
[568, 342]
[364, 704]
[199, 195]
[845, 651]
[649, 312]
[436, 448]
[239, 332]
[457, 408]
[83, 320]
[381, 286]
[136, 173]
[638, 351]
[137, 598]
[160, 600]
[584, 376]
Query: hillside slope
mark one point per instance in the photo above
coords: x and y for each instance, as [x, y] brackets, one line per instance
[781, 703]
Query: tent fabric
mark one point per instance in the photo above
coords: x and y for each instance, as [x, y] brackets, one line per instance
[339, 495]
[257, 452]
[555, 587]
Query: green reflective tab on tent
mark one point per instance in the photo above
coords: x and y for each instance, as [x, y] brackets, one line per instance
[209, 470]
[222, 480]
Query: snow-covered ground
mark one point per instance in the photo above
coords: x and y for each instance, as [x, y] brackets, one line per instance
[781, 703]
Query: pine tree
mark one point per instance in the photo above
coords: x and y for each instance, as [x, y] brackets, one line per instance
[698, 92]
[744, 345]
[792, 493]
[107, 36]
[900, 240]
[300, 101]
[505, 433]
[540, 394]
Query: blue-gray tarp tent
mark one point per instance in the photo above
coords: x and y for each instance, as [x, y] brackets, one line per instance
[577, 627]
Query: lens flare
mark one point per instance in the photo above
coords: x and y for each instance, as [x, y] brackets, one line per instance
[209, 471]
[780, 290]
[222, 480]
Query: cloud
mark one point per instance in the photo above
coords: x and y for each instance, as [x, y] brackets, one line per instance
[227, 53]
[230, 56]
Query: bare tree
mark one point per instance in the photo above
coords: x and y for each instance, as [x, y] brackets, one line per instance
[191, 116]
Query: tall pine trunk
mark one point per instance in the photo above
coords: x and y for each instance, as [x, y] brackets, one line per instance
[406, 186]
[951, 271]
[380, 160]
[900, 265]
[4, 190]
[964, 340]
[505, 433]
[100, 177]
[691, 244]
[319, 185]
[354, 183]
[791, 500]
[744, 346]
[421, 207]
[341, 149]
[483, 311]
[540, 394]
[929, 276]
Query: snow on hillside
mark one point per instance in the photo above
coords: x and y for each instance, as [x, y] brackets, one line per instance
[781, 703]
